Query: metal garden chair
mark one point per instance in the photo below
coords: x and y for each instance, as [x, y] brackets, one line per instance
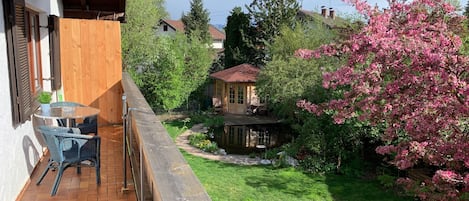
[69, 149]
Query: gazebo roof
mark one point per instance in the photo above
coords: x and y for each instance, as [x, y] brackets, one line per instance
[239, 73]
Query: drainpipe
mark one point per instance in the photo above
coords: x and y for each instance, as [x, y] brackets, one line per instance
[124, 141]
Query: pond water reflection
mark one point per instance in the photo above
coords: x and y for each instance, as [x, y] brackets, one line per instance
[246, 139]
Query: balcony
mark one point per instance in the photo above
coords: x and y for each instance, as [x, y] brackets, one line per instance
[83, 187]
[156, 170]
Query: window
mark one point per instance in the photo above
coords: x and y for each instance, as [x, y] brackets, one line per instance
[24, 59]
[260, 140]
[231, 135]
[240, 135]
[240, 95]
[165, 27]
[34, 50]
[232, 94]
[264, 138]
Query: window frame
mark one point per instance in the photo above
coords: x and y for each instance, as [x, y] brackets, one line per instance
[34, 51]
[240, 95]
[232, 94]
[240, 133]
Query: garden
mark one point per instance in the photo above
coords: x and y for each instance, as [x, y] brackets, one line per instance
[380, 100]
[225, 181]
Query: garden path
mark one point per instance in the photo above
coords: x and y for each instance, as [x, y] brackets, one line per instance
[182, 141]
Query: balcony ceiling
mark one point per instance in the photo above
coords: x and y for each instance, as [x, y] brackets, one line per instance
[95, 9]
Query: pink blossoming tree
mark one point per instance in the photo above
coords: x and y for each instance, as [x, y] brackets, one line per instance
[405, 71]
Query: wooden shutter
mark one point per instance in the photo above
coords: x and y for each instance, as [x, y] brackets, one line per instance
[54, 46]
[17, 42]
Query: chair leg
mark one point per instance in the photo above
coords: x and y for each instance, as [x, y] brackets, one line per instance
[49, 166]
[98, 173]
[57, 179]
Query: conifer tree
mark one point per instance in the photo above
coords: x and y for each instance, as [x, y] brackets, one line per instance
[197, 20]
[268, 17]
[238, 29]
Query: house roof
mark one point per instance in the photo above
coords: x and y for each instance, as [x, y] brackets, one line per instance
[336, 22]
[95, 9]
[239, 73]
[178, 25]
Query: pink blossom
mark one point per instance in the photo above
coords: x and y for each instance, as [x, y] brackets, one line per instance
[405, 68]
[446, 176]
[385, 149]
[304, 53]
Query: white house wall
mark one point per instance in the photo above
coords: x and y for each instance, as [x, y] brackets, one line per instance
[169, 32]
[217, 44]
[20, 148]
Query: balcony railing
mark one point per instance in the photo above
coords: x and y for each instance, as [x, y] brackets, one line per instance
[160, 171]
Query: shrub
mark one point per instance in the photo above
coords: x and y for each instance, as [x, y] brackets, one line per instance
[316, 165]
[386, 180]
[272, 153]
[198, 117]
[195, 138]
[200, 141]
[214, 122]
[209, 146]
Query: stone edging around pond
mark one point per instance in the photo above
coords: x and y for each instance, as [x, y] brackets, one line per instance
[182, 141]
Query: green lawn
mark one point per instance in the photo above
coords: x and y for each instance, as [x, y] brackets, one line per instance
[258, 183]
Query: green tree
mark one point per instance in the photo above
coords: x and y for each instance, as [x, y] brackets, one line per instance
[286, 79]
[197, 20]
[238, 30]
[180, 67]
[138, 34]
[166, 69]
[268, 17]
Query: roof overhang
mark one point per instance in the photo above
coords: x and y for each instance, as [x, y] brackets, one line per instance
[95, 9]
[243, 73]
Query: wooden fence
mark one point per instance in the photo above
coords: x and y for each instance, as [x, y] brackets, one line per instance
[91, 65]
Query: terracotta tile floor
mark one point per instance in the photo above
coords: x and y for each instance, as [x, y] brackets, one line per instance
[83, 187]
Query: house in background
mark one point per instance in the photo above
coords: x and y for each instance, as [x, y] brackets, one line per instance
[330, 20]
[235, 90]
[31, 61]
[169, 27]
[326, 17]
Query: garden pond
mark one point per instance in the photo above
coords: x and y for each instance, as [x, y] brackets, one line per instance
[246, 139]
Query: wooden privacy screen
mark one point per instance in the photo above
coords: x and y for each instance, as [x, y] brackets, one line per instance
[91, 64]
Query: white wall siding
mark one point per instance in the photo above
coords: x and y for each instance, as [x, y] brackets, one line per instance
[170, 31]
[217, 44]
[20, 149]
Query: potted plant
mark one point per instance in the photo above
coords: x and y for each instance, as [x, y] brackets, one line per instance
[44, 98]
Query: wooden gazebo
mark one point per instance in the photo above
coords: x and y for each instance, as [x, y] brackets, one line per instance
[234, 89]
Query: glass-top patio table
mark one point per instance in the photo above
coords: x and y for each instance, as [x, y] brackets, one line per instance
[67, 112]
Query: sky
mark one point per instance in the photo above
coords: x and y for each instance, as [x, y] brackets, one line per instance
[220, 9]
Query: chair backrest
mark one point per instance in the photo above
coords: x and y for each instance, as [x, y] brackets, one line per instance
[53, 143]
[216, 102]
